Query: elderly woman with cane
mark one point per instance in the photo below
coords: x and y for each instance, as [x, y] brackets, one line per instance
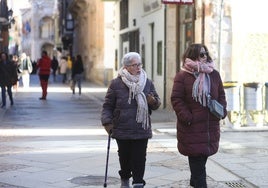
[128, 104]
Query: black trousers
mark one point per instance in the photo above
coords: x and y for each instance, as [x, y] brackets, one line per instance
[132, 158]
[198, 171]
[44, 84]
[9, 91]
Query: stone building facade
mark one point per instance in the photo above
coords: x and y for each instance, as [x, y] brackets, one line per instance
[140, 27]
[161, 33]
[93, 38]
[235, 35]
[38, 28]
[233, 31]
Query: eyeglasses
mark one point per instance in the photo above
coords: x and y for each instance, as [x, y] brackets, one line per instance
[135, 65]
[202, 54]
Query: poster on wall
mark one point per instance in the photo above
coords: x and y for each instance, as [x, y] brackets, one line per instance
[181, 2]
[151, 5]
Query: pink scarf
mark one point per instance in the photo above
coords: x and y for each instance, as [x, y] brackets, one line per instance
[201, 85]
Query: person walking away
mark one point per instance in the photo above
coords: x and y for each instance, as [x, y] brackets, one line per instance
[54, 66]
[44, 65]
[63, 68]
[26, 69]
[198, 130]
[15, 60]
[8, 77]
[69, 68]
[128, 104]
[77, 70]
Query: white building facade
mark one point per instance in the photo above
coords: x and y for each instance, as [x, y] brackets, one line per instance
[140, 27]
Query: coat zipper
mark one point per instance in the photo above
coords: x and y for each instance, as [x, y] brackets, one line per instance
[208, 134]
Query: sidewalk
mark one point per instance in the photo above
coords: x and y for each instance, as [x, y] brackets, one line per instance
[59, 143]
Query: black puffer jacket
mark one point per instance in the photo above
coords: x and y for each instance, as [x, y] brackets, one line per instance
[77, 68]
[198, 131]
[117, 111]
[8, 74]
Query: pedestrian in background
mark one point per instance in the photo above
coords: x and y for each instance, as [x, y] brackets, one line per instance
[128, 104]
[54, 66]
[26, 68]
[43, 65]
[198, 130]
[63, 68]
[69, 68]
[77, 73]
[15, 60]
[8, 77]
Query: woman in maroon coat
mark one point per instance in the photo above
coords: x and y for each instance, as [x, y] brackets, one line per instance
[198, 130]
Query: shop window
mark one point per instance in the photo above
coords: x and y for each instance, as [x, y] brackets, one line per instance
[134, 41]
[46, 27]
[123, 14]
[186, 30]
[69, 22]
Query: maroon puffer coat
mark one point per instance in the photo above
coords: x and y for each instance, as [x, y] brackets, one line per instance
[117, 111]
[198, 131]
[44, 65]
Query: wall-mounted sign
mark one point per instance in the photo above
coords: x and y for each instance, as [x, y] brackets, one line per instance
[182, 2]
[151, 5]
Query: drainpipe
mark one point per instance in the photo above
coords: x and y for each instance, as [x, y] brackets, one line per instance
[165, 59]
[219, 37]
[203, 23]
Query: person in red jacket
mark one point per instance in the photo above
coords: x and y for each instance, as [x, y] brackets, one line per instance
[198, 130]
[43, 65]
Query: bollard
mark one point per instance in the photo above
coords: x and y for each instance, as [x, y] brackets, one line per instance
[253, 103]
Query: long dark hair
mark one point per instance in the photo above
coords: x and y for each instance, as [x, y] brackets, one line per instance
[7, 57]
[193, 52]
[79, 58]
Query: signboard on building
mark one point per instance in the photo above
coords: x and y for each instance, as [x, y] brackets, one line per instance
[151, 5]
[181, 2]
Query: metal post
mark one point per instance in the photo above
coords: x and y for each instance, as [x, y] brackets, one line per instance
[107, 160]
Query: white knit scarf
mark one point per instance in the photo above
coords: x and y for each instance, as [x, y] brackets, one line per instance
[136, 84]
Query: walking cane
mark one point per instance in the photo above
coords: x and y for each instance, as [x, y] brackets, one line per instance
[107, 160]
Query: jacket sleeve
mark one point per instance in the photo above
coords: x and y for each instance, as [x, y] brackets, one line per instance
[14, 75]
[108, 105]
[222, 97]
[29, 65]
[38, 63]
[178, 100]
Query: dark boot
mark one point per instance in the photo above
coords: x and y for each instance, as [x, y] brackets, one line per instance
[9, 91]
[138, 185]
[11, 100]
[125, 183]
[44, 85]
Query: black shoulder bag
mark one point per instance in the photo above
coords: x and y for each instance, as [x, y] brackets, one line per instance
[214, 106]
